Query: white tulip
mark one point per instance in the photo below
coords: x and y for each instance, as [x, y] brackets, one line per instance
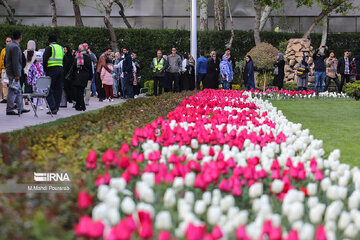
[178, 183]
[169, 198]
[189, 197]
[148, 178]
[253, 231]
[256, 190]
[128, 206]
[200, 207]
[190, 179]
[145, 192]
[180, 231]
[163, 221]
[312, 189]
[307, 232]
[102, 191]
[227, 202]
[118, 183]
[113, 216]
[333, 211]
[351, 231]
[232, 212]
[344, 220]
[216, 200]
[194, 144]
[99, 212]
[207, 197]
[112, 199]
[316, 213]
[276, 220]
[277, 186]
[241, 218]
[325, 183]
[213, 215]
[296, 211]
[312, 201]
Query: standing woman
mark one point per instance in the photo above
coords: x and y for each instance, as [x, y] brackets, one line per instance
[249, 73]
[213, 70]
[82, 71]
[302, 72]
[191, 76]
[68, 62]
[279, 72]
[184, 83]
[29, 55]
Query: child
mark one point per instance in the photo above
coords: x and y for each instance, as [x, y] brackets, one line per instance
[226, 72]
[36, 71]
[107, 81]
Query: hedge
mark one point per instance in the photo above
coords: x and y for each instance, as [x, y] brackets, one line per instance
[147, 41]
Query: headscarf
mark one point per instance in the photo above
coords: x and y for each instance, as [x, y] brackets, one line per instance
[191, 61]
[38, 56]
[29, 52]
[303, 61]
[281, 56]
[80, 55]
[186, 55]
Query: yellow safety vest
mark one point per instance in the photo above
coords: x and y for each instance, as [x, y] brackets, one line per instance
[158, 66]
[57, 55]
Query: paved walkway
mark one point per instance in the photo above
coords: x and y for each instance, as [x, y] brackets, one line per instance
[10, 123]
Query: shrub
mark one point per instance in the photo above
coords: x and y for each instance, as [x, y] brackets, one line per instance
[283, 46]
[353, 90]
[292, 86]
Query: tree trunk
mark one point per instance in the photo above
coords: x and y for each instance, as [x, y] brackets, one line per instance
[232, 26]
[265, 16]
[53, 13]
[265, 80]
[323, 14]
[257, 7]
[109, 26]
[324, 31]
[219, 14]
[77, 12]
[10, 10]
[122, 13]
[204, 15]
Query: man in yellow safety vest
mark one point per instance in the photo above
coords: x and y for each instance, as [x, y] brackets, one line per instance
[158, 65]
[53, 67]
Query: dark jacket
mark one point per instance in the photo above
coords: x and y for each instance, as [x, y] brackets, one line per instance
[341, 66]
[279, 78]
[139, 66]
[158, 73]
[127, 64]
[201, 65]
[47, 54]
[83, 73]
[355, 67]
[249, 73]
[13, 60]
[319, 61]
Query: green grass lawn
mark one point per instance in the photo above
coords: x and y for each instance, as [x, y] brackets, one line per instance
[336, 122]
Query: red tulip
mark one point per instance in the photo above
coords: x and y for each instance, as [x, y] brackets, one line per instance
[87, 228]
[320, 233]
[91, 160]
[195, 232]
[164, 235]
[84, 200]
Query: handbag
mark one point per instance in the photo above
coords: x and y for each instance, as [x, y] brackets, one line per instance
[276, 71]
[15, 85]
[4, 78]
[69, 74]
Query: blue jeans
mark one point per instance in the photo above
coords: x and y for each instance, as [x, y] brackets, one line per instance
[226, 85]
[200, 78]
[319, 79]
[57, 79]
[128, 88]
[116, 87]
[93, 86]
[122, 86]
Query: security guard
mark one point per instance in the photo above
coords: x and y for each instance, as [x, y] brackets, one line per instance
[158, 66]
[53, 67]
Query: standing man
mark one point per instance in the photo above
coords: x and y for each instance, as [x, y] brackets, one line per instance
[93, 62]
[344, 69]
[127, 68]
[331, 67]
[201, 68]
[158, 66]
[13, 65]
[102, 64]
[175, 65]
[53, 67]
[3, 82]
[319, 57]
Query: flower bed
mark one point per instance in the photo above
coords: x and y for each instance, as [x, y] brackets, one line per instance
[288, 94]
[224, 165]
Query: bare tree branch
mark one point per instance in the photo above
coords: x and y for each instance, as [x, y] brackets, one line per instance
[77, 13]
[219, 14]
[204, 15]
[10, 10]
[53, 13]
[122, 13]
[109, 26]
[232, 26]
[265, 16]
[257, 7]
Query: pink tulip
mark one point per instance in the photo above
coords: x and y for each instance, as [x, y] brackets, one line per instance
[292, 235]
[217, 233]
[225, 186]
[319, 175]
[91, 160]
[84, 200]
[87, 228]
[240, 233]
[109, 157]
[146, 226]
[195, 232]
[124, 148]
[320, 233]
[164, 235]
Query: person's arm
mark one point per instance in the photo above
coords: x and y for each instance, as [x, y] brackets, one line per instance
[340, 62]
[89, 67]
[197, 65]
[92, 56]
[328, 62]
[2, 59]
[15, 60]
[315, 53]
[46, 56]
[152, 64]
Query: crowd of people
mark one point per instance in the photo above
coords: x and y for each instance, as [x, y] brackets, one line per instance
[328, 68]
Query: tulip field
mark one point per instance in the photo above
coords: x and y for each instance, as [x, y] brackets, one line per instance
[221, 165]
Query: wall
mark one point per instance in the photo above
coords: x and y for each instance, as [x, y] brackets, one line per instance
[158, 14]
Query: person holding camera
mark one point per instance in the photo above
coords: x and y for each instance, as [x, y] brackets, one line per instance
[331, 66]
[344, 69]
[319, 57]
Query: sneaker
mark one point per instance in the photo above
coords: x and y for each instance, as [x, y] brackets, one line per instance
[11, 113]
[111, 99]
[3, 101]
[25, 111]
[106, 100]
[87, 103]
[41, 108]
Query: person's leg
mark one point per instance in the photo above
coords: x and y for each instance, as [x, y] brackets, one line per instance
[129, 85]
[50, 98]
[111, 91]
[155, 87]
[342, 82]
[177, 82]
[5, 90]
[93, 86]
[337, 82]
[317, 79]
[114, 86]
[88, 92]
[10, 98]
[170, 81]
[327, 82]
[323, 75]
[58, 87]
[198, 82]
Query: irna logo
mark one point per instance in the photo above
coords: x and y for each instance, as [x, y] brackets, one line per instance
[51, 177]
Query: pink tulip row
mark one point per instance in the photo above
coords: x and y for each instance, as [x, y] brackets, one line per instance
[197, 131]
